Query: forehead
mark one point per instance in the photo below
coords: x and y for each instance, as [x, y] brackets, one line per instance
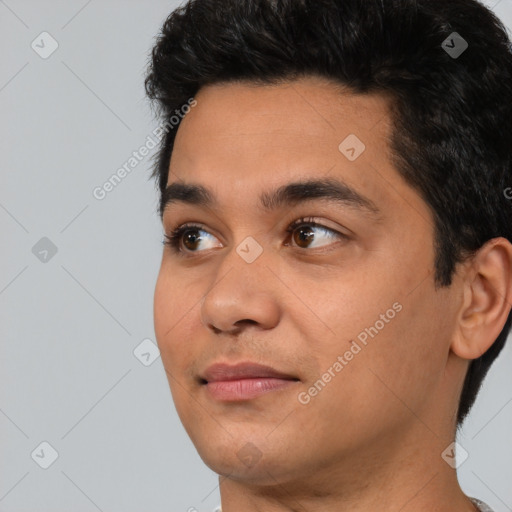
[250, 116]
[241, 140]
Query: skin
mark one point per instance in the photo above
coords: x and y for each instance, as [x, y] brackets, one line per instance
[372, 438]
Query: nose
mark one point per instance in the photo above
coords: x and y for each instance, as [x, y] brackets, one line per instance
[243, 294]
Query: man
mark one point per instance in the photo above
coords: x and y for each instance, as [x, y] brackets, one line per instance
[337, 274]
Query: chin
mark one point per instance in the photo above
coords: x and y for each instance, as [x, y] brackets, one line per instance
[244, 461]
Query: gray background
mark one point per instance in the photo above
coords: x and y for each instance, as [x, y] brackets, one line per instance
[71, 322]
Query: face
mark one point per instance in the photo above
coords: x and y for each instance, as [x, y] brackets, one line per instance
[331, 286]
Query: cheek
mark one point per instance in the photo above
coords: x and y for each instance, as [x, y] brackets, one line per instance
[352, 308]
[385, 332]
[407, 357]
[172, 311]
[164, 307]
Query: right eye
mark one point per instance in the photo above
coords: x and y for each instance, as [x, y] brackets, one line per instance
[187, 235]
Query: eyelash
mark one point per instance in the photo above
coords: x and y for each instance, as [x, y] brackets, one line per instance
[174, 239]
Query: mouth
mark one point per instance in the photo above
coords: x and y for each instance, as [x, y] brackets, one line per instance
[244, 381]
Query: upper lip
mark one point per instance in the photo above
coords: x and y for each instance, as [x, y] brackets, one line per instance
[246, 370]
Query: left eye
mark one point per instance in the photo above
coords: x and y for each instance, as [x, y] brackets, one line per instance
[302, 232]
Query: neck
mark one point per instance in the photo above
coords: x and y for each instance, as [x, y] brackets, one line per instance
[411, 477]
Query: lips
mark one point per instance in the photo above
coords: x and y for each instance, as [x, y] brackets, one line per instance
[222, 372]
[244, 381]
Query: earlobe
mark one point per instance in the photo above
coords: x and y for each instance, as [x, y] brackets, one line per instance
[487, 299]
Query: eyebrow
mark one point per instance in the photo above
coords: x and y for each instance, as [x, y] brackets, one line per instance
[327, 189]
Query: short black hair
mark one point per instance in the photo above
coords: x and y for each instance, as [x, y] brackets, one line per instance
[451, 113]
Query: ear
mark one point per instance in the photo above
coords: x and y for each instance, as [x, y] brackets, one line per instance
[487, 299]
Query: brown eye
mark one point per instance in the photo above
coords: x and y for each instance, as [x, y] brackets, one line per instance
[303, 236]
[191, 239]
[306, 232]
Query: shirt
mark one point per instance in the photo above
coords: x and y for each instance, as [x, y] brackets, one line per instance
[481, 505]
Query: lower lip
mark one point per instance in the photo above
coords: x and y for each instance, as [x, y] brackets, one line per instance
[245, 389]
